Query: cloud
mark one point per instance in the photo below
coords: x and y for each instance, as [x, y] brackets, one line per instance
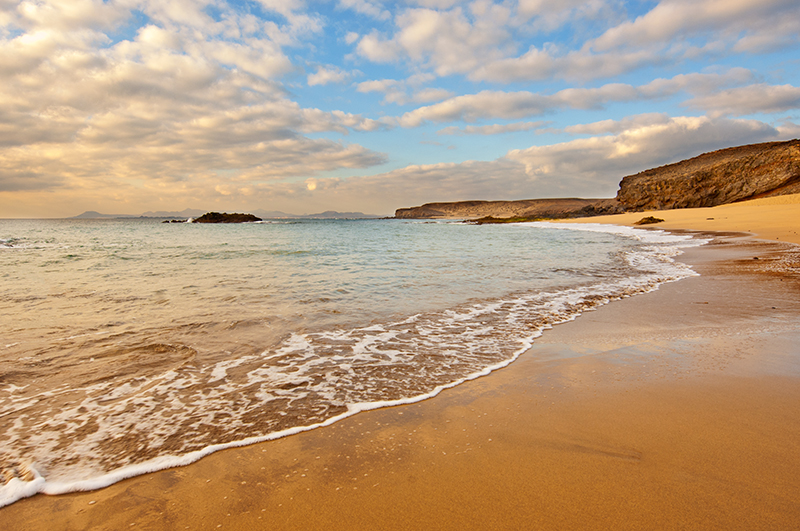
[377, 48]
[752, 99]
[518, 105]
[364, 7]
[402, 92]
[789, 129]
[680, 19]
[630, 123]
[481, 41]
[328, 74]
[188, 104]
[546, 16]
[494, 129]
[431, 94]
[66, 15]
[378, 85]
[452, 41]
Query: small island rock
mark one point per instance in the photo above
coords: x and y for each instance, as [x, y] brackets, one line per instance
[224, 217]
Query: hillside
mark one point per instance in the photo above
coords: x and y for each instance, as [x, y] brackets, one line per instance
[716, 178]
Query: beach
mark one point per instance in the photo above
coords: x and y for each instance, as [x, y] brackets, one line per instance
[675, 409]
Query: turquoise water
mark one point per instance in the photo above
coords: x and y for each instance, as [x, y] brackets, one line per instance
[132, 345]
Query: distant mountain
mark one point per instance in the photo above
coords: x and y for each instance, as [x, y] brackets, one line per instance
[91, 214]
[273, 214]
[330, 214]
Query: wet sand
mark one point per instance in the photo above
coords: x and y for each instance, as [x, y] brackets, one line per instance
[676, 409]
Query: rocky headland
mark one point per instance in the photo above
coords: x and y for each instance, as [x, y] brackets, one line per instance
[716, 178]
[711, 179]
[526, 208]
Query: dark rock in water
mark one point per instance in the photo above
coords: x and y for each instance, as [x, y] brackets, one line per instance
[174, 221]
[224, 217]
[716, 178]
[649, 220]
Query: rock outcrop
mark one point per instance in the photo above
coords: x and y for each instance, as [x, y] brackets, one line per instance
[224, 217]
[524, 209]
[716, 178]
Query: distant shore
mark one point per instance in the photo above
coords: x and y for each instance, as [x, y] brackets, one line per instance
[676, 409]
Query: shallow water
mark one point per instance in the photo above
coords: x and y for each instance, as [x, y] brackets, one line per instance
[131, 345]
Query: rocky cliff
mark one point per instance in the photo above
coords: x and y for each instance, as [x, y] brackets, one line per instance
[526, 208]
[724, 176]
[716, 178]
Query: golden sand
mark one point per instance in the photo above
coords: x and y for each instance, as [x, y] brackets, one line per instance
[672, 410]
[770, 218]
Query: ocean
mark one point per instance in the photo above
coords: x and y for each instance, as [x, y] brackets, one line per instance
[130, 345]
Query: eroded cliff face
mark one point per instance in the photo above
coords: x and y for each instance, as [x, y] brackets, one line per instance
[526, 208]
[716, 178]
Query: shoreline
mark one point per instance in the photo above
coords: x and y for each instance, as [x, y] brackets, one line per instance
[770, 218]
[671, 409]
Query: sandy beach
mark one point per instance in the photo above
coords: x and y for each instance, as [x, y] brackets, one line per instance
[676, 409]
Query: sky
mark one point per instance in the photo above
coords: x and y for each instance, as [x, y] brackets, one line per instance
[128, 106]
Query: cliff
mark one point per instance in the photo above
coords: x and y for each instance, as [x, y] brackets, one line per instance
[526, 208]
[719, 177]
[716, 178]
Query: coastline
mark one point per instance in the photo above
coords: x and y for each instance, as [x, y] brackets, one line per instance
[770, 218]
[671, 409]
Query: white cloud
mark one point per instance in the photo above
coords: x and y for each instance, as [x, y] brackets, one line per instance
[436, 4]
[759, 98]
[548, 16]
[789, 129]
[630, 123]
[479, 41]
[708, 88]
[516, 105]
[377, 48]
[364, 7]
[452, 41]
[402, 92]
[673, 19]
[377, 85]
[66, 15]
[328, 74]
[431, 94]
[494, 129]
